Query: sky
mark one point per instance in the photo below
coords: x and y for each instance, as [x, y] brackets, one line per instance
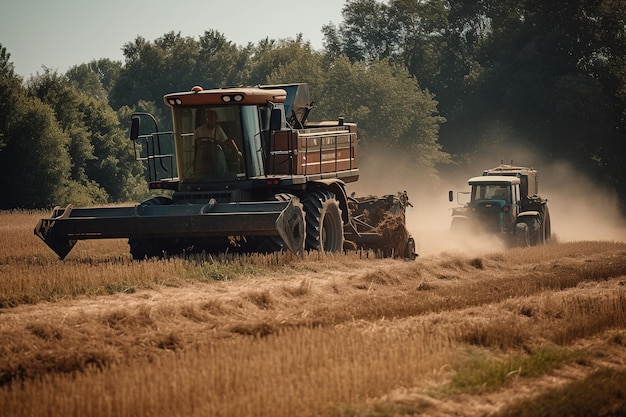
[58, 34]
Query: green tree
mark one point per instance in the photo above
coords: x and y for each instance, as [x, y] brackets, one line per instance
[391, 110]
[85, 79]
[544, 65]
[141, 76]
[269, 56]
[412, 33]
[367, 32]
[107, 71]
[35, 157]
[9, 84]
[114, 168]
[176, 63]
[101, 155]
[288, 61]
[33, 154]
[221, 63]
[65, 100]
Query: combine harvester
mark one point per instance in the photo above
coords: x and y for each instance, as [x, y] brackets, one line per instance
[247, 173]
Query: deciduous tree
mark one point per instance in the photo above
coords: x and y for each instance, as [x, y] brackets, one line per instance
[32, 146]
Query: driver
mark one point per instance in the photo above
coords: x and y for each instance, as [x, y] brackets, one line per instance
[210, 129]
[212, 132]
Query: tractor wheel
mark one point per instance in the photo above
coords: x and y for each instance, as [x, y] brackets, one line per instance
[544, 233]
[528, 231]
[535, 232]
[324, 226]
[521, 235]
[546, 226]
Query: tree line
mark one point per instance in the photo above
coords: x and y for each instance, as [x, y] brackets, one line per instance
[435, 82]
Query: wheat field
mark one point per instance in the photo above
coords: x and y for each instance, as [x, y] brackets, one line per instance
[515, 332]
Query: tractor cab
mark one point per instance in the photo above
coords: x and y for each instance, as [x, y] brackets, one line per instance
[495, 200]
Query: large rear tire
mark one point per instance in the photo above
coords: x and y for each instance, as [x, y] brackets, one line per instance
[547, 226]
[324, 225]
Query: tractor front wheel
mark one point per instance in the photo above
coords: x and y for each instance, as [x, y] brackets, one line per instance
[528, 231]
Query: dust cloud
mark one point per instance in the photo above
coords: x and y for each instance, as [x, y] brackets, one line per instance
[428, 220]
[579, 209]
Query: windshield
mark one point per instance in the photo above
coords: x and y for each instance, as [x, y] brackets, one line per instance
[492, 192]
[209, 143]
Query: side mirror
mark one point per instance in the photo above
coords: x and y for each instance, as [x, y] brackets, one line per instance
[134, 128]
[451, 196]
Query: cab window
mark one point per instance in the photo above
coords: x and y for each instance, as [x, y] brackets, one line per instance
[492, 192]
[209, 143]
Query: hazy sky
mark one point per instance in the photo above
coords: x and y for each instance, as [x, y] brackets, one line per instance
[59, 34]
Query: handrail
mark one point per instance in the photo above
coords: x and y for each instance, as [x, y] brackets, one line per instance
[153, 155]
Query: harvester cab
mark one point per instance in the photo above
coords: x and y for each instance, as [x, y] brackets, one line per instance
[247, 172]
[226, 135]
